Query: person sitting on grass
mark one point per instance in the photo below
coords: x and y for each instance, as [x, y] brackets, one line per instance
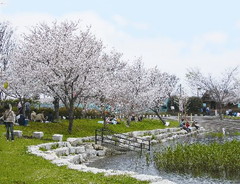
[21, 120]
[186, 128]
[181, 122]
[108, 121]
[194, 124]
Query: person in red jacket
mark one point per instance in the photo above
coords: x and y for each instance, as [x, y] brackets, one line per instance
[187, 124]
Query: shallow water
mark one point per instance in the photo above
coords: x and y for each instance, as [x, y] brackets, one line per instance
[142, 164]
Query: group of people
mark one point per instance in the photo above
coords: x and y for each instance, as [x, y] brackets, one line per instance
[112, 120]
[9, 118]
[230, 112]
[185, 125]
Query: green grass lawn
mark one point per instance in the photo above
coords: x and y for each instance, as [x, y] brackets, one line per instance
[19, 167]
[87, 127]
[232, 117]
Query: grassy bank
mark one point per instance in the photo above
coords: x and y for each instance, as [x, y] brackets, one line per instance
[231, 117]
[19, 167]
[217, 160]
[86, 127]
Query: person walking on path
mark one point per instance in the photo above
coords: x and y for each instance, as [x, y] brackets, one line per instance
[9, 120]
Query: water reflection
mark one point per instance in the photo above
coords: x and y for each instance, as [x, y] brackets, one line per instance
[143, 163]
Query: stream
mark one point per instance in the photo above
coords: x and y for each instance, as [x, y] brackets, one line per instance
[144, 164]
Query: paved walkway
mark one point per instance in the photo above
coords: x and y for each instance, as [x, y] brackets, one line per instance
[213, 123]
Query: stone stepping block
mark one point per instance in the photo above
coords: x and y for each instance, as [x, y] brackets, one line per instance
[17, 133]
[57, 137]
[38, 135]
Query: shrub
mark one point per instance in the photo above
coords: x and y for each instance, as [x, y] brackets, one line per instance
[63, 112]
[93, 113]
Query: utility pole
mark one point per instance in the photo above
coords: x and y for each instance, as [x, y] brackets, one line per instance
[198, 89]
[180, 86]
[180, 102]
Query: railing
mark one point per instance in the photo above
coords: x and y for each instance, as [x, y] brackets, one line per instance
[121, 140]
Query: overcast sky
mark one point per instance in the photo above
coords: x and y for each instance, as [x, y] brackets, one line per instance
[172, 34]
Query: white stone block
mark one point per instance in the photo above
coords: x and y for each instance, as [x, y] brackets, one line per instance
[57, 137]
[38, 135]
[62, 151]
[91, 153]
[79, 149]
[147, 138]
[50, 156]
[75, 141]
[17, 133]
[97, 147]
[75, 159]
[88, 139]
[139, 140]
[154, 141]
[72, 150]
[101, 153]
[158, 137]
[82, 158]
[137, 133]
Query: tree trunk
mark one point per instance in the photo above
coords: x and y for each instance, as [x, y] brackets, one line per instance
[23, 109]
[56, 108]
[104, 117]
[128, 120]
[160, 118]
[220, 108]
[71, 116]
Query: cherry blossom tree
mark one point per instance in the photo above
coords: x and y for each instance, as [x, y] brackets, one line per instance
[21, 84]
[66, 60]
[6, 43]
[109, 82]
[161, 88]
[135, 83]
[222, 89]
[6, 48]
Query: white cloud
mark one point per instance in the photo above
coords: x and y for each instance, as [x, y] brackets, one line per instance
[237, 24]
[120, 20]
[211, 42]
[169, 55]
[215, 37]
[140, 26]
[3, 4]
[123, 22]
[22, 22]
